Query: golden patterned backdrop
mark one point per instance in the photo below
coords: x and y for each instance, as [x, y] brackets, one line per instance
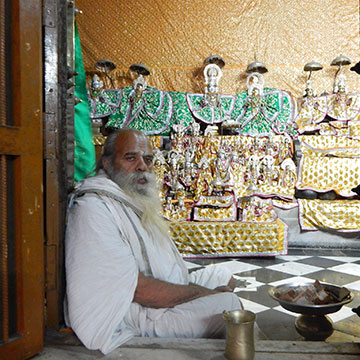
[173, 37]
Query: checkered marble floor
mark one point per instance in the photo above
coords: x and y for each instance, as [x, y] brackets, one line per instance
[257, 275]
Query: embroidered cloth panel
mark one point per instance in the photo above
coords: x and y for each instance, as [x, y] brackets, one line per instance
[342, 215]
[322, 145]
[354, 128]
[218, 239]
[324, 174]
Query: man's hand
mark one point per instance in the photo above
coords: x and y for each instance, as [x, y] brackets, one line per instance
[231, 284]
[155, 293]
[224, 288]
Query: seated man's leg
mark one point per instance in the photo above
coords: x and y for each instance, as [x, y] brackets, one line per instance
[200, 318]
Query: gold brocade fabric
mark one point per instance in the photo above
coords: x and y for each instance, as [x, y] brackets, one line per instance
[354, 128]
[215, 214]
[342, 215]
[172, 38]
[182, 214]
[329, 173]
[339, 146]
[197, 239]
[155, 141]
[215, 201]
[285, 189]
[337, 128]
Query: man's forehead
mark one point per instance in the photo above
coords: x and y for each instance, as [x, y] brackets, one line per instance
[133, 142]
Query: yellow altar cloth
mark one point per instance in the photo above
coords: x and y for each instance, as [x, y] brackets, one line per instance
[324, 174]
[341, 215]
[322, 145]
[354, 128]
[219, 239]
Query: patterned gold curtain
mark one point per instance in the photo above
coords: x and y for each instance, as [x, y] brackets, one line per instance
[172, 38]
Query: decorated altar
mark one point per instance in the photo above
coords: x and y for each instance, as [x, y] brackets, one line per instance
[228, 165]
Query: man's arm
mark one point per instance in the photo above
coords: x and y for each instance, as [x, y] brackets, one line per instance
[155, 293]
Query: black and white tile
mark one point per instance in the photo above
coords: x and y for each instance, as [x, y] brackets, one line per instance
[255, 276]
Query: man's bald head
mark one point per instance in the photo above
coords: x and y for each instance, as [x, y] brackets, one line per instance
[133, 152]
[127, 159]
[120, 142]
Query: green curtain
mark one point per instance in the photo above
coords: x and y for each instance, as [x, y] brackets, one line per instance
[84, 152]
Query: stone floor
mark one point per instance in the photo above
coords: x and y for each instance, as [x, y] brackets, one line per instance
[255, 277]
[205, 349]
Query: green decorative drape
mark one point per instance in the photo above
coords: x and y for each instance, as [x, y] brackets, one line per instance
[84, 153]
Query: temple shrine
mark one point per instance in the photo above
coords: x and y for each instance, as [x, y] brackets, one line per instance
[252, 110]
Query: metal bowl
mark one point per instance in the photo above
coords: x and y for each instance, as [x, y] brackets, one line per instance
[309, 309]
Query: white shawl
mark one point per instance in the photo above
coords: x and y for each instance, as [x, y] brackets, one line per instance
[105, 248]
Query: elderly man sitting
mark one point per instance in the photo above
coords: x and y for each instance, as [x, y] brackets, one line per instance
[124, 275]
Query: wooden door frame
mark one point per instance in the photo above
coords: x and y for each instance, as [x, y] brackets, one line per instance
[59, 103]
[23, 141]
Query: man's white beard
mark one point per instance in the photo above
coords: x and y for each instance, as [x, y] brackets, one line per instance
[144, 196]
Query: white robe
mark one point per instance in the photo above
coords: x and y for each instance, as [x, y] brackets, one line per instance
[105, 248]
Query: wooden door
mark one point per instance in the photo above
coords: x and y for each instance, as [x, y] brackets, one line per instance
[21, 188]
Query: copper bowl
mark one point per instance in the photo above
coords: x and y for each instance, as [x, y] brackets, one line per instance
[309, 309]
